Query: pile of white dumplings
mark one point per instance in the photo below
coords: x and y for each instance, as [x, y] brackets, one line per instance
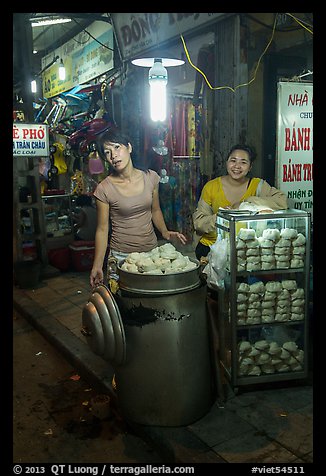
[274, 301]
[275, 249]
[263, 357]
[163, 259]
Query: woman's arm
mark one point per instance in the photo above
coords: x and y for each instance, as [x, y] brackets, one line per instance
[203, 218]
[270, 197]
[101, 242]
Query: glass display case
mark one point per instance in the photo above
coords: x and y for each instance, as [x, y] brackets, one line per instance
[263, 308]
[58, 220]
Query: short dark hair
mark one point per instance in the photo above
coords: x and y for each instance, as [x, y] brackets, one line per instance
[112, 135]
[249, 149]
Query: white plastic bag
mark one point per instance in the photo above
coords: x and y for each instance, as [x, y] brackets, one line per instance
[216, 267]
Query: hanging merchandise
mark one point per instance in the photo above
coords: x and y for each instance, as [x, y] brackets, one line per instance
[166, 191]
[89, 184]
[95, 164]
[59, 158]
[187, 175]
[77, 183]
[160, 148]
[53, 170]
[44, 164]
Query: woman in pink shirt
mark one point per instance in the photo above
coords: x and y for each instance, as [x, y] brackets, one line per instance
[128, 204]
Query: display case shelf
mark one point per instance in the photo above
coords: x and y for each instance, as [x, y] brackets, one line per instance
[263, 313]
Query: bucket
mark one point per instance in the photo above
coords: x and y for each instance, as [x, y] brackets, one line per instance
[27, 273]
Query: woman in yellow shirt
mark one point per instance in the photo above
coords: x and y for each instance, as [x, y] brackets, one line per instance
[228, 191]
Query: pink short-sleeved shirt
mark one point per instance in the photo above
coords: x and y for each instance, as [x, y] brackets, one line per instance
[131, 217]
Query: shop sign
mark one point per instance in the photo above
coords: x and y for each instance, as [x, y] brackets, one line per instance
[30, 140]
[85, 57]
[138, 32]
[294, 160]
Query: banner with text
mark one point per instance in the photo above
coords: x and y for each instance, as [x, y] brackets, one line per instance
[30, 140]
[85, 57]
[294, 160]
[138, 32]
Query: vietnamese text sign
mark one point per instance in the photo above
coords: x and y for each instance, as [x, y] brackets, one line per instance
[30, 140]
[85, 57]
[137, 32]
[294, 162]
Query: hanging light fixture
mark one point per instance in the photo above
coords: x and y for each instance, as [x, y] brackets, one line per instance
[62, 71]
[35, 22]
[158, 79]
[33, 86]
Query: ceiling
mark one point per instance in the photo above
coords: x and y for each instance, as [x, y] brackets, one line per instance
[47, 38]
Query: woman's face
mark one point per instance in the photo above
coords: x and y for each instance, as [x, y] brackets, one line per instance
[118, 155]
[238, 164]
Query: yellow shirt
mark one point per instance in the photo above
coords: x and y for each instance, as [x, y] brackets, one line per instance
[213, 194]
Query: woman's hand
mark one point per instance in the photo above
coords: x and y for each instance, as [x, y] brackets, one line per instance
[171, 235]
[96, 277]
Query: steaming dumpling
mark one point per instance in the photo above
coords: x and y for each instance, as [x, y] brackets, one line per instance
[167, 247]
[262, 345]
[283, 243]
[178, 263]
[297, 294]
[252, 297]
[289, 284]
[289, 233]
[256, 370]
[246, 234]
[268, 368]
[274, 348]
[133, 257]
[296, 263]
[253, 266]
[272, 234]
[146, 264]
[273, 286]
[263, 243]
[252, 243]
[253, 252]
[243, 287]
[244, 346]
[240, 244]
[298, 250]
[257, 287]
[290, 346]
[265, 265]
[300, 240]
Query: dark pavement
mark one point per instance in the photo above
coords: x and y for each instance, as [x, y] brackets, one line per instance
[58, 417]
[265, 424]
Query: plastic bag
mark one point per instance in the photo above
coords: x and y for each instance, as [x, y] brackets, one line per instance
[216, 267]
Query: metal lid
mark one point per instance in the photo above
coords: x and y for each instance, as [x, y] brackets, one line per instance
[106, 321]
[93, 329]
[102, 326]
[116, 323]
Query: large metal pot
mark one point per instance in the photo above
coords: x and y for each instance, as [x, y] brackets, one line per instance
[164, 375]
[160, 283]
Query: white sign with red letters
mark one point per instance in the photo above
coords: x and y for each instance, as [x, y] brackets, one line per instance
[30, 140]
[294, 161]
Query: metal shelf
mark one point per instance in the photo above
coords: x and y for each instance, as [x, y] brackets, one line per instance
[231, 332]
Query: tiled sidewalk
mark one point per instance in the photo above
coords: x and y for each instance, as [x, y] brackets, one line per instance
[264, 425]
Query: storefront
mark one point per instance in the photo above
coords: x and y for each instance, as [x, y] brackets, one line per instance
[220, 96]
